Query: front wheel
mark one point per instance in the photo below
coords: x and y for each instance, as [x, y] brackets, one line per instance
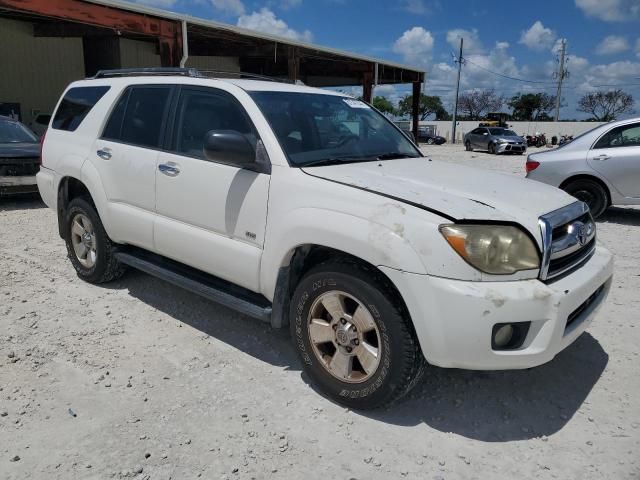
[88, 246]
[430, 141]
[467, 146]
[492, 149]
[356, 343]
[591, 193]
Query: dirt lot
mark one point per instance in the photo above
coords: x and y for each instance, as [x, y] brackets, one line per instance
[140, 379]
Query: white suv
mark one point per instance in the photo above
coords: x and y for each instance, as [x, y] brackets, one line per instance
[307, 208]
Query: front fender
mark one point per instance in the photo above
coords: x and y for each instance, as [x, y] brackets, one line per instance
[364, 238]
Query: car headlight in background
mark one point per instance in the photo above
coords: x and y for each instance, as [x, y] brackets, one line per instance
[501, 140]
[493, 249]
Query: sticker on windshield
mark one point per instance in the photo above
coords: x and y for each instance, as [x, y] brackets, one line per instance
[353, 103]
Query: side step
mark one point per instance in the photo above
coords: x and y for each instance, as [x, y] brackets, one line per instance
[215, 289]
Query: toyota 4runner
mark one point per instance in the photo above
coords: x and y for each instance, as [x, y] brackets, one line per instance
[308, 208]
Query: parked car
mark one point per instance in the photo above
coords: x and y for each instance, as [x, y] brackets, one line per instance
[496, 140]
[425, 136]
[19, 157]
[41, 123]
[307, 208]
[601, 167]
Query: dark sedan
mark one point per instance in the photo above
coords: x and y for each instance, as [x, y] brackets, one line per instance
[19, 158]
[425, 136]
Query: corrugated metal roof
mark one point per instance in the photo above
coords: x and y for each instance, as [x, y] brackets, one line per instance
[156, 12]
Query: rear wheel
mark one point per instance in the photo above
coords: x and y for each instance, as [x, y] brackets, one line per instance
[591, 193]
[356, 343]
[88, 246]
[430, 141]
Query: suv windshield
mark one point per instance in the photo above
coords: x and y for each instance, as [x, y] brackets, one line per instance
[15, 132]
[316, 129]
[503, 132]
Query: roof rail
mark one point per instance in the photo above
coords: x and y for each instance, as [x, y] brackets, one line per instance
[132, 72]
[186, 72]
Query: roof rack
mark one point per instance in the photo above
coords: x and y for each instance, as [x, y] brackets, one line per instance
[185, 72]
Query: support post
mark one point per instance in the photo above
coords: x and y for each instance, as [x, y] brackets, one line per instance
[415, 108]
[367, 87]
[294, 64]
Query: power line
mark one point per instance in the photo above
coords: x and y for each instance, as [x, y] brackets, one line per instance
[507, 76]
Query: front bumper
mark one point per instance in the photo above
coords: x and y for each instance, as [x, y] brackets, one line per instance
[454, 319]
[510, 148]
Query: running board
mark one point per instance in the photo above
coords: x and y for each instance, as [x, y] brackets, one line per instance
[213, 288]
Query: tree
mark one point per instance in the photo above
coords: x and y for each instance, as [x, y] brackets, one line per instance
[384, 105]
[429, 105]
[477, 103]
[606, 106]
[532, 106]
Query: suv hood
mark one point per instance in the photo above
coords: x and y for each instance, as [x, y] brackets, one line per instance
[452, 191]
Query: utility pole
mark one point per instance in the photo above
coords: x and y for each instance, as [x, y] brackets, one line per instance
[459, 60]
[560, 75]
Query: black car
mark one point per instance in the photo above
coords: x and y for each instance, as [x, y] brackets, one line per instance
[19, 157]
[425, 136]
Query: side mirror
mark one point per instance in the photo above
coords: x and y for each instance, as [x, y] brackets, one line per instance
[485, 133]
[230, 148]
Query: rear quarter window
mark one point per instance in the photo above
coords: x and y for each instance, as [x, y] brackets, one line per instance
[76, 105]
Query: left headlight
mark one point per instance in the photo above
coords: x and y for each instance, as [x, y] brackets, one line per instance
[493, 249]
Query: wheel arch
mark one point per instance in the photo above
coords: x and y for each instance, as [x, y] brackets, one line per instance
[300, 259]
[586, 176]
[69, 188]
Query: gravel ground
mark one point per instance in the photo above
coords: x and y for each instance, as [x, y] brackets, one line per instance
[138, 379]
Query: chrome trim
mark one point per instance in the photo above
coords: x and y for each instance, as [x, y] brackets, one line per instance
[551, 251]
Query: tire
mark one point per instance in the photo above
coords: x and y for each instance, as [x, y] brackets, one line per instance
[492, 149]
[99, 264]
[590, 192]
[382, 323]
[467, 146]
[430, 141]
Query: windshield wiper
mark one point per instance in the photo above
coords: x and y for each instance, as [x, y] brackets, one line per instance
[394, 155]
[337, 161]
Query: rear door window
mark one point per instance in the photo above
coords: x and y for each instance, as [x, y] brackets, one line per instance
[624, 136]
[139, 116]
[76, 105]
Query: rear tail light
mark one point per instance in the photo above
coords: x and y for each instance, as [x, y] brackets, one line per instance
[531, 165]
[41, 145]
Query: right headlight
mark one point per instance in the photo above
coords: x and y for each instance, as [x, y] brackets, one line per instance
[493, 249]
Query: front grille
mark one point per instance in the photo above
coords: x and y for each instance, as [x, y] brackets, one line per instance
[569, 240]
[19, 170]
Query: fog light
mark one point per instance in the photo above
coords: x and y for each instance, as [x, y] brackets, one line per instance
[509, 336]
[503, 336]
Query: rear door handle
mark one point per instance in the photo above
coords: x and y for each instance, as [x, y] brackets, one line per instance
[602, 158]
[169, 169]
[104, 153]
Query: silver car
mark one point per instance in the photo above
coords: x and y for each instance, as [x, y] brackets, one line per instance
[601, 167]
[495, 140]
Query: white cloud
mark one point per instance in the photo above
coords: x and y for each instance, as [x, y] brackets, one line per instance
[266, 21]
[288, 4]
[157, 3]
[611, 45]
[538, 37]
[234, 7]
[611, 10]
[415, 46]
[637, 48]
[472, 43]
[417, 7]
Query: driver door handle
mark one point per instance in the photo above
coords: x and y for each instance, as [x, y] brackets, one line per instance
[602, 158]
[169, 169]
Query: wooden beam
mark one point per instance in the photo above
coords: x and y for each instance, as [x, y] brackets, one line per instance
[97, 15]
[415, 108]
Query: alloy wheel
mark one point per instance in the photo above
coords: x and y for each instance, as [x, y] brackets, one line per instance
[83, 240]
[344, 336]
